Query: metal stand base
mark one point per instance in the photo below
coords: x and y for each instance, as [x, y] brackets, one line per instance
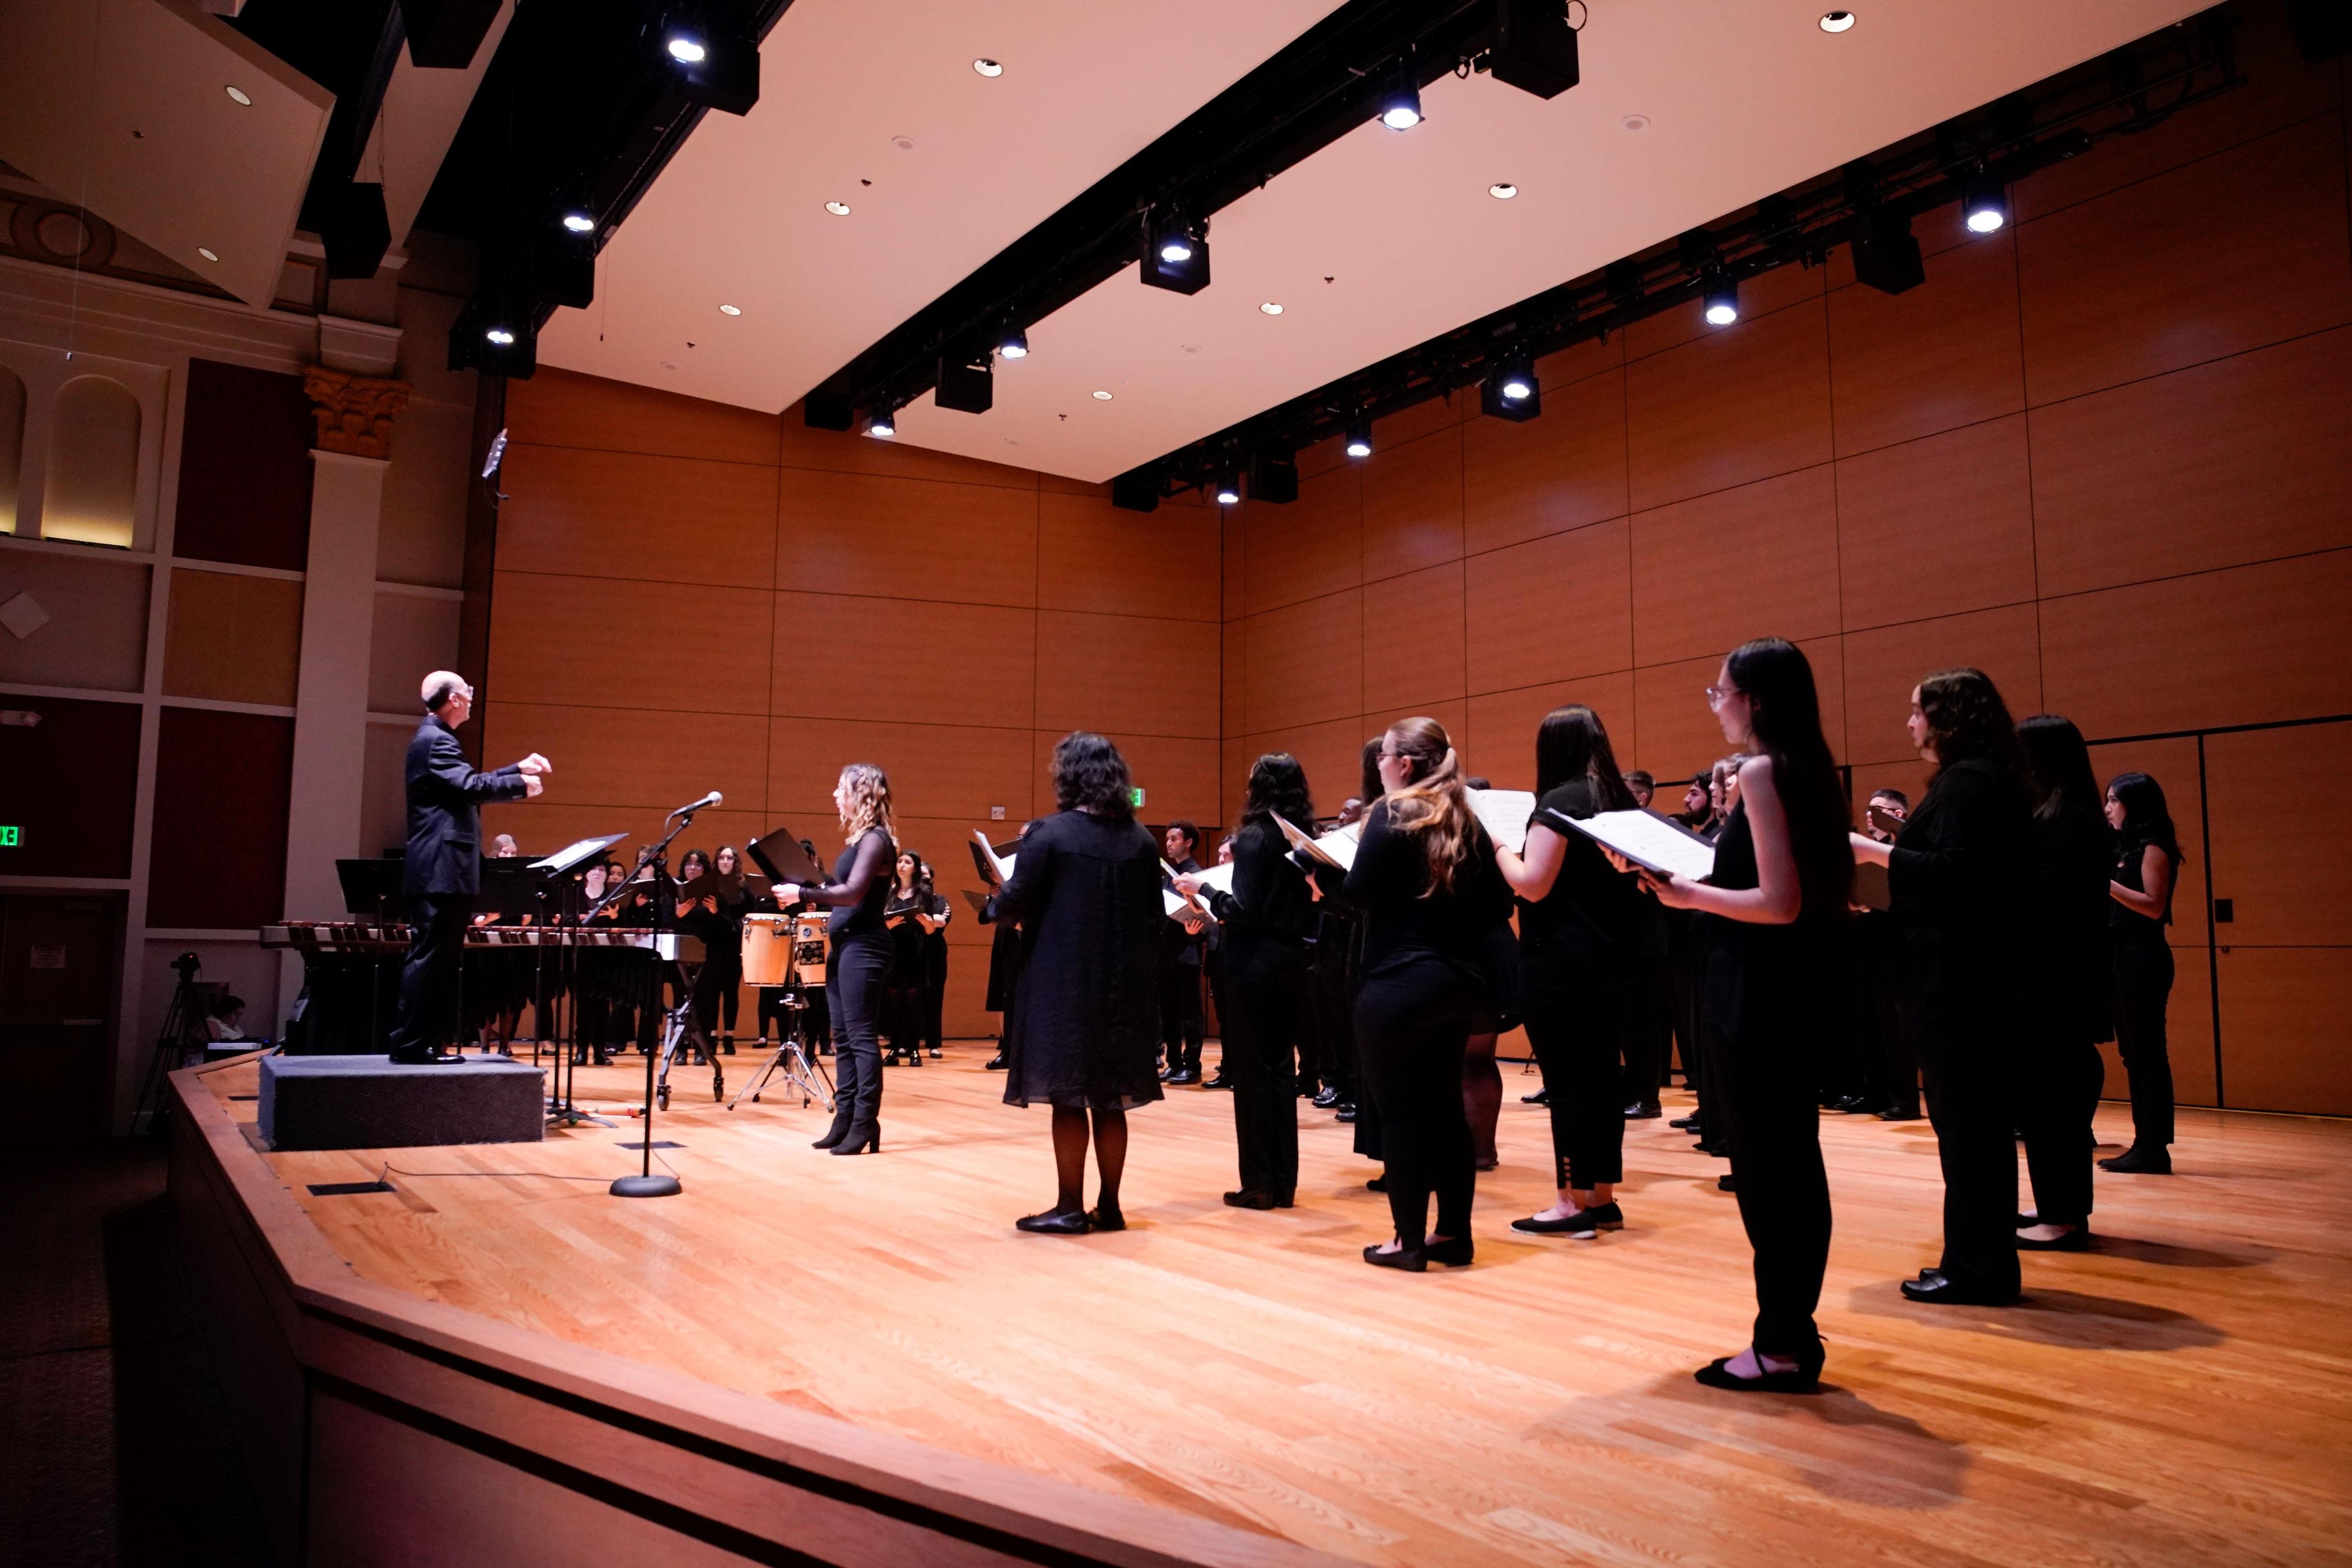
[645, 1187]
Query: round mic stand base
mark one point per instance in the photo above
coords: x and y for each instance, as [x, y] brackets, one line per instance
[662, 1186]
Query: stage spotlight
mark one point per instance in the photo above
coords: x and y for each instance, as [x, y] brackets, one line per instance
[1360, 437]
[1721, 297]
[1176, 255]
[1984, 205]
[579, 222]
[496, 333]
[1015, 344]
[881, 423]
[1229, 490]
[1274, 478]
[1400, 102]
[1534, 49]
[716, 53]
[502, 336]
[1511, 390]
[1887, 253]
[1138, 490]
[965, 385]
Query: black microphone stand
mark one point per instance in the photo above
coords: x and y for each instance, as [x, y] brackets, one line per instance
[645, 1184]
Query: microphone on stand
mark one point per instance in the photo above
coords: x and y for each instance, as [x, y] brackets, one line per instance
[713, 798]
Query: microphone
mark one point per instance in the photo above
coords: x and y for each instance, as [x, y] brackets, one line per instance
[713, 798]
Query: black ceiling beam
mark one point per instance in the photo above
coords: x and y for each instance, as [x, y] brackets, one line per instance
[1306, 96]
[2008, 140]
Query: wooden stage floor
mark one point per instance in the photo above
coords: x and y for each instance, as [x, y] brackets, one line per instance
[2183, 1394]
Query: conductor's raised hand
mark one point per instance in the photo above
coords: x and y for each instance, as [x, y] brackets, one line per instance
[534, 764]
[532, 786]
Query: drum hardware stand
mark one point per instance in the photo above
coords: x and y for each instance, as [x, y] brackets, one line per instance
[183, 1031]
[684, 1028]
[791, 1058]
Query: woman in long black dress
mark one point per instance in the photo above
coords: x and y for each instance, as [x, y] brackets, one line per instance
[913, 913]
[1587, 940]
[1084, 1034]
[1961, 882]
[1767, 937]
[1265, 918]
[858, 968]
[2069, 1009]
[2147, 869]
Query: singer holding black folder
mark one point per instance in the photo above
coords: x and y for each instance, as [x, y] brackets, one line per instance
[1768, 940]
[859, 968]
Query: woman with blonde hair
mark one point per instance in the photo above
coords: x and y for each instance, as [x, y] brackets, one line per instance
[859, 968]
[1425, 885]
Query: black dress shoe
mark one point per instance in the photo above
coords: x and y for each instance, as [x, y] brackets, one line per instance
[1220, 1081]
[1455, 1252]
[996, 1062]
[1727, 1183]
[1643, 1111]
[2137, 1161]
[1379, 1183]
[1326, 1098]
[1899, 1113]
[1805, 1378]
[1409, 1258]
[1685, 1123]
[1934, 1289]
[1859, 1105]
[1584, 1222]
[1541, 1097]
[1250, 1198]
[1345, 1111]
[1187, 1076]
[1105, 1216]
[1073, 1222]
[2075, 1240]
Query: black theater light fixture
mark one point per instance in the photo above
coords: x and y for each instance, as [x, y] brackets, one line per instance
[1229, 489]
[966, 384]
[1014, 345]
[1719, 297]
[1887, 253]
[883, 422]
[496, 337]
[1176, 254]
[1534, 49]
[1273, 477]
[1984, 205]
[715, 53]
[1360, 436]
[1398, 107]
[1138, 490]
[1511, 390]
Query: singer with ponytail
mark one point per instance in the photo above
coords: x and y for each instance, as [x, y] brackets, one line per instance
[858, 972]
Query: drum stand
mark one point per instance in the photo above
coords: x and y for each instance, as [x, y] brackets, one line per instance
[684, 1029]
[791, 1058]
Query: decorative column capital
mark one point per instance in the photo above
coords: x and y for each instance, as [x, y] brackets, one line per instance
[354, 411]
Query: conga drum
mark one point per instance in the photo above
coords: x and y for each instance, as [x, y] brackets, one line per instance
[767, 949]
[808, 948]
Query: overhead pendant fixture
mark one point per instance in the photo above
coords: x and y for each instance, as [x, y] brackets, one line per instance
[1360, 436]
[1984, 205]
[579, 221]
[1886, 252]
[1719, 299]
[502, 336]
[1400, 101]
[1511, 390]
[1014, 345]
[881, 424]
[1229, 489]
[1175, 253]
[713, 52]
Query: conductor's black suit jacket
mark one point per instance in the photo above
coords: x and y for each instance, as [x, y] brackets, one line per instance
[445, 826]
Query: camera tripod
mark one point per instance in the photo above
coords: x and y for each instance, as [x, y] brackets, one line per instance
[791, 1058]
[182, 1032]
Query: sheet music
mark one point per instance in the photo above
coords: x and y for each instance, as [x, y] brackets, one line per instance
[1504, 814]
[573, 854]
[997, 868]
[1646, 839]
[1336, 848]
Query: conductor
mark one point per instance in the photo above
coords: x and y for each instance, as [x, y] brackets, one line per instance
[442, 870]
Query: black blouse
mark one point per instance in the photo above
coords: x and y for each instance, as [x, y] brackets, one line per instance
[2072, 984]
[861, 883]
[1403, 918]
[1268, 904]
[1594, 913]
[1962, 877]
[2131, 870]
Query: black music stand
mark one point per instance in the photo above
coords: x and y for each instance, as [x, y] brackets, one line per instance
[548, 881]
[371, 890]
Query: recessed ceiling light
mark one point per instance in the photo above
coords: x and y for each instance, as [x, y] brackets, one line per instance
[1635, 123]
[1271, 309]
[987, 67]
[838, 210]
[1102, 398]
[207, 253]
[904, 143]
[1836, 21]
[238, 95]
[1503, 192]
[731, 310]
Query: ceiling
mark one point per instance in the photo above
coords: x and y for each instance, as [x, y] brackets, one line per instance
[737, 217]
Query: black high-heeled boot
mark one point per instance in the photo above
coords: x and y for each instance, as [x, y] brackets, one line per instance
[842, 1115]
[865, 1137]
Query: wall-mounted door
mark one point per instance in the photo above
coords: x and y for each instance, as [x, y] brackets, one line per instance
[58, 952]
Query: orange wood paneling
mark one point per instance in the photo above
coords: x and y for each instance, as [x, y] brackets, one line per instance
[1750, 400]
[1331, 752]
[1554, 608]
[2278, 864]
[637, 517]
[564, 409]
[2243, 248]
[669, 646]
[839, 656]
[1311, 547]
[1306, 662]
[1093, 556]
[1933, 358]
[229, 638]
[2247, 646]
[907, 539]
[1561, 471]
[1126, 673]
[1413, 638]
[1674, 734]
[1775, 291]
[936, 770]
[2242, 460]
[1179, 776]
[848, 452]
[1503, 724]
[1936, 526]
[1881, 667]
[2284, 1028]
[608, 756]
[1412, 504]
[1233, 689]
[1233, 534]
[1758, 560]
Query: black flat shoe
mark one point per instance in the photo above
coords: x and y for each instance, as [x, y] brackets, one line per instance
[1899, 1113]
[1584, 1222]
[2138, 1162]
[1543, 1097]
[1379, 1183]
[1105, 1216]
[1455, 1252]
[1643, 1111]
[1345, 1114]
[1220, 1081]
[1690, 1123]
[1177, 1079]
[1073, 1222]
[995, 1063]
[1940, 1290]
[1727, 1183]
[1411, 1259]
[2075, 1240]
[1326, 1098]
[1260, 1198]
[1804, 1378]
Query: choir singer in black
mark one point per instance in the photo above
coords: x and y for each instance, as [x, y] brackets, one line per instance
[442, 871]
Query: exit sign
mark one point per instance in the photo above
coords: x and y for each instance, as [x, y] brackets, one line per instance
[1135, 790]
[11, 836]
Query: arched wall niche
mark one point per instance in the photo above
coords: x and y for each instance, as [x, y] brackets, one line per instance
[12, 445]
[90, 494]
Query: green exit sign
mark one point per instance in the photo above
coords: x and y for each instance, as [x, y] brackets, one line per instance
[11, 836]
[1135, 790]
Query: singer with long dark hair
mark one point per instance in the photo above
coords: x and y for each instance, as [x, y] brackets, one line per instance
[858, 970]
[1084, 1034]
[1961, 878]
[1265, 918]
[1767, 937]
[1587, 941]
[2147, 868]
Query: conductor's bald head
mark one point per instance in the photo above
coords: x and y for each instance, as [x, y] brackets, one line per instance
[447, 696]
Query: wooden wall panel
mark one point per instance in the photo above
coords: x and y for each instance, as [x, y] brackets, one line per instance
[607, 756]
[1963, 500]
[674, 646]
[2280, 866]
[2173, 765]
[1126, 673]
[1503, 724]
[1179, 777]
[839, 656]
[884, 537]
[1934, 358]
[1675, 733]
[1566, 469]
[1413, 638]
[565, 408]
[2245, 459]
[1092, 556]
[1309, 548]
[1331, 752]
[2265, 258]
[2282, 1028]
[1312, 659]
[1881, 667]
[1551, 608]
[640, 517]
[1759, 390]
[229, 638]
[1758, 560]
[936, 770]
[1413, 505]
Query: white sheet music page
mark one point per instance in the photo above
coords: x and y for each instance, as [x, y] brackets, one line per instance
[1646, 839]
[1505, 812]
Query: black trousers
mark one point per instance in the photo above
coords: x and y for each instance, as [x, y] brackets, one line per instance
[718, 994]
[1579, 1024]
[1649, 1035]
[2143, 988]
[427, 1016]
[1764, 1108]
[1180, 1014]
[1412, 1022]
[858, 979]
[2058, 1085]
[1967, 1063]
[1334, 1012]
[1261, 1053]
[935, 991]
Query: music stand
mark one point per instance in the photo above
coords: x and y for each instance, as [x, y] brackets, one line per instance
[372, 891]
[544, 882]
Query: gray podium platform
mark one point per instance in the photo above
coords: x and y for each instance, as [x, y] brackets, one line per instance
[374, 1103]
